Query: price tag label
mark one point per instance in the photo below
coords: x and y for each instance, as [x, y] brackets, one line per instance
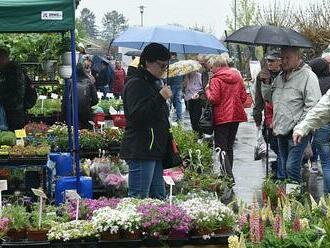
[54, 96]
[3, 185]
[168, 180]
[42, 97]
[109, 95]
[99, 95]
[20, 133]
[72, 194]
[39, 192]
[92, 123]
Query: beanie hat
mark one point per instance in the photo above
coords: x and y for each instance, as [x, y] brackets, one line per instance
[154, 52]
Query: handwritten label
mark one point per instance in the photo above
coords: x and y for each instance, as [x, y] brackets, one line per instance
[54, 96]
[99, 95]
[3, 185]
[72, 194]
[39, 192]
[20, 133]
[168, 180]
[42, 97]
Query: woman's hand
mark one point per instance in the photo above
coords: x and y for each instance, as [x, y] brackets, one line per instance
[297, 136]
[166, 92]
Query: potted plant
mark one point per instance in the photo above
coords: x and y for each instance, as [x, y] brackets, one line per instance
[4, 225]
[18, 221]
[107, 221]
[209, 216]
[49, 219]
[131, 221]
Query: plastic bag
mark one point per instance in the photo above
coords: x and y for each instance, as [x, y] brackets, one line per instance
[260, 147]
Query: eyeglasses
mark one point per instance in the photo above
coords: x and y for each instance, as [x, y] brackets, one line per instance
[162, 65]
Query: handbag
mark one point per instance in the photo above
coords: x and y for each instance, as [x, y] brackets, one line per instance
[172, 157]
[3, 119]
[206, 119]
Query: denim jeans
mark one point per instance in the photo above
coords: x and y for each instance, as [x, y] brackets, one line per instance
[291, 155]
[321, 139]
[177, 100]
[145, 179]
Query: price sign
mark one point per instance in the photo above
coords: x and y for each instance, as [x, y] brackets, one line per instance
[42, 97]
[72, 194]
[168, 180]
[99, 95]
[20, 133]
[3, 185]
[54, 96]
[39, 192]
[109, 95]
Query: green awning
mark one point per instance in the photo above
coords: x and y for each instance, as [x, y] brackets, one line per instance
[37, 15]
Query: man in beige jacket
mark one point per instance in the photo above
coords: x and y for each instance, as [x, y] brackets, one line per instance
[293, 93]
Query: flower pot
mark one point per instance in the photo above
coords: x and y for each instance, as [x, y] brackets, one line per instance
[109, 236]
[132, 236]
[223, 230]
[37, 235]
[65, 71]
[16, 235]
[175, 234]
[66, 58]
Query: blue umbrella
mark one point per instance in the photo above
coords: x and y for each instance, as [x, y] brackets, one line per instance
[176, 39]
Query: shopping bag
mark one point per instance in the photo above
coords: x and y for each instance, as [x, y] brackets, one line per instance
[172, 157]
[206, 120]
[3, 119]
[260, 147]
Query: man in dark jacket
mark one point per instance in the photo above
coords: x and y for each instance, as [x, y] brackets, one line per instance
[105, 78]
[13, 91]
[146, 135]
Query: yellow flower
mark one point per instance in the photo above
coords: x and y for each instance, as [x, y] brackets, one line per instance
[233, 241]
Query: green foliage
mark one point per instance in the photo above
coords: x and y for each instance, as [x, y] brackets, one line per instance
[87, 20]
[17, 215]
[7, 138]
[113, 23]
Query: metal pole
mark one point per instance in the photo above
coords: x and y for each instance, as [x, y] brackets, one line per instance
[75, 109]
[235, 13]
[141, 11]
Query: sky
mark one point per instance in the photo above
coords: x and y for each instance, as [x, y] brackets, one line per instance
[211, 14]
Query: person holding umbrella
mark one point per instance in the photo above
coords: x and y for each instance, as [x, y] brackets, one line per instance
[293, 93]
[147, 133]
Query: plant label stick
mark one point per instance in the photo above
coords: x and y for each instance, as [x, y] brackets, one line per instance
[41, 194]
[54, 96]
[99, 94]
[42, 97]
[93, 124]
[168, 180]
[3, 186]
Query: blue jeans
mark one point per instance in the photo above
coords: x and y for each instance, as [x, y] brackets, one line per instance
[145, 179]
[177, 100]
[291, 155]
[321, 139]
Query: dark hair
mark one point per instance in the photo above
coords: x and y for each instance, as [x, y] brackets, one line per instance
[152, 53]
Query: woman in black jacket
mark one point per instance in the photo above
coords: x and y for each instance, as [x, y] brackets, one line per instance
[146, 135]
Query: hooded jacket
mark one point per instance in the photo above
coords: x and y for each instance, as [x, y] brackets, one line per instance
[147, 131]
[292, 98]
[227, 94]
[321, 68]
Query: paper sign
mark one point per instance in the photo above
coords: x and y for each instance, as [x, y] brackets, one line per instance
[109, 95]
[101, 122]
[42, 97]
[290, 187]
[112, 111]
[20, 133]
[72, 194]
[255, 68]
[168, 180]
[3, 185]
[99, 95]
[39, 192]
[54, 96]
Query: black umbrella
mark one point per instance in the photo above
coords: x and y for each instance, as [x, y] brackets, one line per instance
[268, 35]
[133, 53]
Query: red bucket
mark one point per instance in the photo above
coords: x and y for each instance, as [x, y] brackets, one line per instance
[119, 120]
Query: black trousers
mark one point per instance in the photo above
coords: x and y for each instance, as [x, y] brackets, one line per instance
[224, 137]
[195, 112]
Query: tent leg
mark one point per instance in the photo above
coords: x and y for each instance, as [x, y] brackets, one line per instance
[68, 101]
[75, 109]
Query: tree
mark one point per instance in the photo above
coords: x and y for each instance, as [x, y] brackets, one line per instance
[113, 23]
[277, 14]
[87, 18]
[314, 23]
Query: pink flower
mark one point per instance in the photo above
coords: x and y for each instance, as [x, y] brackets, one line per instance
[277, 225]
[296, 226]
[114, 180]
[242, 221]
[256, 230]
[176, 174]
